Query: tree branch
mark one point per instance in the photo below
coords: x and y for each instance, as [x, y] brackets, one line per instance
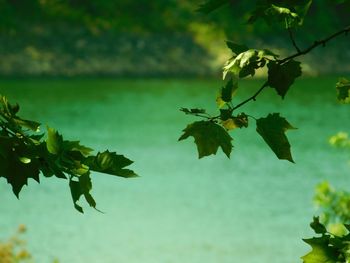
[322, 42]
[252, 97]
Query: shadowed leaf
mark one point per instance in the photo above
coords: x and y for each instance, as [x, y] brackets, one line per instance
[343, 88]
[281, 77]
[208, 137]
[272, 129]
[211, 5]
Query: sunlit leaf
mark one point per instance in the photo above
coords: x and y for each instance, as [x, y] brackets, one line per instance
[245, 63]
[208, 137]
[54, 141]
[272, 129]
[321, 251]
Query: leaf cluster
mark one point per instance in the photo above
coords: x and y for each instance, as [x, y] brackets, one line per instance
[328, 247]
[213, 132]
[25, 153]
[272, 128]
[335, 204]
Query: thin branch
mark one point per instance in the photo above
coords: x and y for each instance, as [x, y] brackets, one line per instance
[252, 97]
[291, 36]
[322, 42]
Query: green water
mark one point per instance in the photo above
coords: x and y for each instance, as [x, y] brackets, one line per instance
[249, 209]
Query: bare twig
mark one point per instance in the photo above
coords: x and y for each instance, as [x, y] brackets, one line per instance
[291, 36]
[322, 42]
[252, 97]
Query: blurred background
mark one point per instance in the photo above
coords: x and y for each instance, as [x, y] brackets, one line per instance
[149, 38]
[114, 74]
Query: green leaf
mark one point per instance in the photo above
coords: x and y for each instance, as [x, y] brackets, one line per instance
[208, 137]
[343, 88]
[76, 146]
[236, 48]
[247, 62]
[54, 141]
[110, 163]
[211, 5]
[13, 168]
[272, 129]
[32, 125]
[289, 13]
[82, 188]
[281, 77]
[318, 227]
[321, 251]
[228, 90]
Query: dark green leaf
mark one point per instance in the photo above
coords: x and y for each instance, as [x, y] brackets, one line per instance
[272, 129]
[15, 165]
[318, 227]
[76, 146]
[32, 125]
[225, 114]
[76, 193]
[192, 111]
[208, 137]
[236, 48]
[281, 77]
[343, 88]
[241, 120]
[211, 5]
[82, 188]
[228, 90]
[110, 163]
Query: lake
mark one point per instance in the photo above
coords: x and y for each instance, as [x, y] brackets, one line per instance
[252, 208]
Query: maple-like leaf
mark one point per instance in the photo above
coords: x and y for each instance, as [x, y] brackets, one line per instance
[208, 137]
[281, 77]
[272, 129]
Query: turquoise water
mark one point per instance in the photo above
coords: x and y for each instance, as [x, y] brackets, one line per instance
[251, 208]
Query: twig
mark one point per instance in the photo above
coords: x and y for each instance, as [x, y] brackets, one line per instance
[291, 36]
[252, 97]
[322, 42]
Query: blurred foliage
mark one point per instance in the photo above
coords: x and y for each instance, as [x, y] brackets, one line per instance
[14, 249]
[75, 37]
[334, 203]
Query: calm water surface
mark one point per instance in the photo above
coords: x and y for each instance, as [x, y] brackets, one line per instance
[249, 209]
